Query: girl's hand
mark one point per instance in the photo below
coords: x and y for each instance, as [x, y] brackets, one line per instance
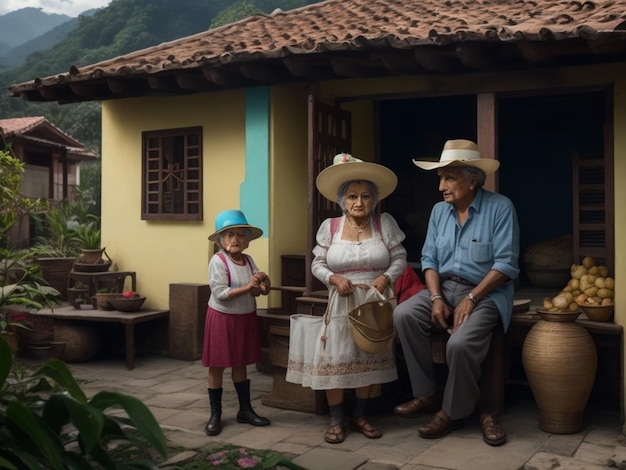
[264, 282]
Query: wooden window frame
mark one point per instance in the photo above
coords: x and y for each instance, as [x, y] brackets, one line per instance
[155, 174]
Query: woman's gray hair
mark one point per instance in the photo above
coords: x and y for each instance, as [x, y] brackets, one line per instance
[343, 189]
[247, 231]
[481, 176]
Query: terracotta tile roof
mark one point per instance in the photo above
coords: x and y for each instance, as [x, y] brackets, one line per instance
[17, 126]
[346, 38]
[38, 130]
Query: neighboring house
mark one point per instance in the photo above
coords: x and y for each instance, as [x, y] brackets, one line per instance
[51, 159]
[246, 115]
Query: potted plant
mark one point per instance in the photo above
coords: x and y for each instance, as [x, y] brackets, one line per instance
[55, 249]
[88, 238]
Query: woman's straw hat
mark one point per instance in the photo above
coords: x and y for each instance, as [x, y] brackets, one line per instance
[460, 152]
[345, 167]
[233, 219]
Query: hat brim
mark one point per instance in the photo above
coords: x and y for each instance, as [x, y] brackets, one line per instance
[255, 231]
[488, 165]
[331, 178]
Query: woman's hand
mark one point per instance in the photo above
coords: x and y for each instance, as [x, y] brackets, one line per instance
[343, 286]
[381, 283]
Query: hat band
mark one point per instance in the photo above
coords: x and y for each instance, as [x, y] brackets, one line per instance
[459, 154]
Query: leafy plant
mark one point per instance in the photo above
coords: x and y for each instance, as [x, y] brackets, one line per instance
[13, 205]
[87, 236]
[46, 421]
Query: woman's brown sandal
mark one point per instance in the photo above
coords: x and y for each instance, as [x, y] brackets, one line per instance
[334, 434]
[493, 433]
[364, 427]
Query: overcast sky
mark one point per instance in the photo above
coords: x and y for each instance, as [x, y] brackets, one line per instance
[71, 8]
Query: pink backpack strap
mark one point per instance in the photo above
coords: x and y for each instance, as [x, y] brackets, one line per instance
[376, 223]
[250, 264]
[223, 258]
[334, 225]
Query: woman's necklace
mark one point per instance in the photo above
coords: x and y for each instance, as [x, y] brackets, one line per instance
[239, 262]
[358, 228]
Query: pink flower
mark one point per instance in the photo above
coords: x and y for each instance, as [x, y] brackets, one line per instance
[246, 462]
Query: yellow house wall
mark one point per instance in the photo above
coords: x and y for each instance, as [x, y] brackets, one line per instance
[179, 251]
[163, 252]
[288, 174]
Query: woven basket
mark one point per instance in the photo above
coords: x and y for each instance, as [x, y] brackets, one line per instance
[560, 360]
[103, 300]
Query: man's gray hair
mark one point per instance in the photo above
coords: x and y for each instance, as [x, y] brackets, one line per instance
[468, 171]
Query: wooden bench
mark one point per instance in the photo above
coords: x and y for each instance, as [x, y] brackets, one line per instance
[128, 319]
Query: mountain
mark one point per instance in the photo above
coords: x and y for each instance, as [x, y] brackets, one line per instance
[22, 25]
[17, 55]
[122, 27]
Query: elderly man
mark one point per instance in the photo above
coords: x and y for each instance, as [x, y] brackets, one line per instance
[469, 259]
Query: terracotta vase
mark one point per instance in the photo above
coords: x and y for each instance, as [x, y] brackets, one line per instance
[560, 360]
[82, 342]
[91, 256]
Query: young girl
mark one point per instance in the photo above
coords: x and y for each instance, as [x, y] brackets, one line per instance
[231, 332]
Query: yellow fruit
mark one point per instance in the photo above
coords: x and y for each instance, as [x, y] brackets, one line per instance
[591, 291]
[605, 293]
[606, 302]
[547, 303]
[574, 283]
[560, 302]
[573, 307]
[588, 261]
[578, 271]
[604, 271]
[600, 282]
[581, 299]
[595, 270]
[609, 283]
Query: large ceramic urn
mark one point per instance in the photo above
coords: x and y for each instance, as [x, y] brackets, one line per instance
[560, 360]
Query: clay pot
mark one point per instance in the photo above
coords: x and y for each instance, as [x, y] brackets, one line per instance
[82, 342]
[560, 360]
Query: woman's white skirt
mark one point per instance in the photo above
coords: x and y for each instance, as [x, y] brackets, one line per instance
[336, 362]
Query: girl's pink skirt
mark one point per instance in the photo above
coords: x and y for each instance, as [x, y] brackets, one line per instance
[231, 340]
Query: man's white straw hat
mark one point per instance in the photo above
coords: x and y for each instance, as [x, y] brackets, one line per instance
[460, 152]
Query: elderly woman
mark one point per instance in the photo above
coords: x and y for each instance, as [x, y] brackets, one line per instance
[231, 332]
[469, 259]
[354, 250]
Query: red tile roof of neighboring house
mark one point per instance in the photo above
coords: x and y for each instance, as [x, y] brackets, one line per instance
[38, 130]
[355, 38]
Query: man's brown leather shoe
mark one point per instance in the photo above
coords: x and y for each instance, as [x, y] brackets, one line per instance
[438, 426]
[413, 408]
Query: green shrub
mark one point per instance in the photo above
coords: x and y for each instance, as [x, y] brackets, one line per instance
[47, 422]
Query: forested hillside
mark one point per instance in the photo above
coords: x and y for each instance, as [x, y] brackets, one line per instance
[122, 27]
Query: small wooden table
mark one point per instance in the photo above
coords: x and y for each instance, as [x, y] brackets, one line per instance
[128, 319]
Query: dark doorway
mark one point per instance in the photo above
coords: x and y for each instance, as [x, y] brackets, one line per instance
[538, 137]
